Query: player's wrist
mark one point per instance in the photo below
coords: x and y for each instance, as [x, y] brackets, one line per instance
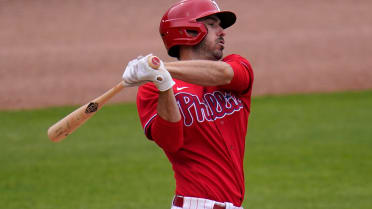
[165, 82]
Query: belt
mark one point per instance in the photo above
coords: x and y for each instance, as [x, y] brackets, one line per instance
[178, 202]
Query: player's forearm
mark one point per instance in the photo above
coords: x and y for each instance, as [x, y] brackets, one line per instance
[201, 72]
[167, 106]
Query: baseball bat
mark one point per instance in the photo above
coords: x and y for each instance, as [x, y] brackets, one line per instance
[75, 119]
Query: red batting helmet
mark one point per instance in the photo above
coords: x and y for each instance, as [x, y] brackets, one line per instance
[183, 16]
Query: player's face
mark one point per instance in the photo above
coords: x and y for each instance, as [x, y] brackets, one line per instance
[211, 48]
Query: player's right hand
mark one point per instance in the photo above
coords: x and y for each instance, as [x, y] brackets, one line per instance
[139, 72]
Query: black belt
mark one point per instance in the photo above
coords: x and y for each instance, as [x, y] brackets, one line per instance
[178, 202]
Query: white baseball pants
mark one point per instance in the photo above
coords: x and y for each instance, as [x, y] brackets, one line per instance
[200, 203]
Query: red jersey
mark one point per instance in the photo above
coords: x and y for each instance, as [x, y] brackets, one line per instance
[206, 148]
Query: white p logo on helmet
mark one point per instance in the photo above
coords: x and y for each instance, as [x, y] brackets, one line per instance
[216, 5]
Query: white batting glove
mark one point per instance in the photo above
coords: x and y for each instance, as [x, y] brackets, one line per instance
[139, 72]
[130, 75]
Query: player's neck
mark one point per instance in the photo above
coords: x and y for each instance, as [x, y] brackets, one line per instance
[186, 53]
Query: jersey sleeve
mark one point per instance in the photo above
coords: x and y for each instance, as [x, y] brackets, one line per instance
[243, 74]
[147, 98]
[167, 135]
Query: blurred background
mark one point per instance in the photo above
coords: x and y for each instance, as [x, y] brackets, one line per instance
[55, 53]
[309, 137]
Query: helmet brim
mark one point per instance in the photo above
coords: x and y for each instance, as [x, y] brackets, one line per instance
[227, 18]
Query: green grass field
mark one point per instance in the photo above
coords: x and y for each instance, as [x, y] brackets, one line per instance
[302, 152]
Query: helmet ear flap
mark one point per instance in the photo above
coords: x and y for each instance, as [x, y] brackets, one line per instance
[195, 33]
[184, 34]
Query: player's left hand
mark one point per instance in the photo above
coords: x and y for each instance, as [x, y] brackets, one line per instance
[139, 72]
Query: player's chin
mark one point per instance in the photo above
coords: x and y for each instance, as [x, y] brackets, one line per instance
[218, 54]
[220, 49]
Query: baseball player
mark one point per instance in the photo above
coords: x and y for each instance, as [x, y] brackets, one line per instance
[196, 109]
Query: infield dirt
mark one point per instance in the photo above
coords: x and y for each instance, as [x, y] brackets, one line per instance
[56, 53]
